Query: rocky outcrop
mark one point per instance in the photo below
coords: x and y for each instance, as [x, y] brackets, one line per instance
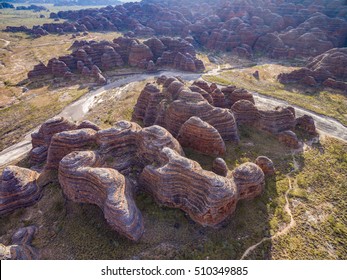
[277, 120]
[94, 177]
[5, 5]
[84, 180]
[140, 55]
[232, 95]
[18, 189]
[266, 165]
[245, 112]
[218, 98]
[280, 30]
[59, 68]
[91, 59]
[201, 137]
[65, 142]
[273, 121]
[289, 138]
[225, 97]
[108, 167]
[41, 140]
[39, 71]
[307, 124]
[181, 183]
[249, 179]
[176, 105]
[191, 104]
[203, 85]
[178, 182]
[21, 248]
[220, 167]
[328, 69]
[146, 106]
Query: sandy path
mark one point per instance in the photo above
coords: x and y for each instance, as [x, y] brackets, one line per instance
[286, 208]
[6, 43]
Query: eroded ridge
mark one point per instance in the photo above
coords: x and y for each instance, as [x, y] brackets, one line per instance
[84, 180]
[21, 248]
[202, 116]
[328, 69]
[108, 167]
[174, 104]
[91, 59]
[18, 189]
[207, 197]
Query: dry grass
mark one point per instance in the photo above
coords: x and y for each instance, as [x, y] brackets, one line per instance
[116, 104]
[327, 102]
[14, 17]
[17, 120]
[18, 56]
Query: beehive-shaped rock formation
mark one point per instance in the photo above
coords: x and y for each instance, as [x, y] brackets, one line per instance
[41, 140]
[65, 142]
[266, 165]
[18, 189]
[249, 179]
[245, 112]
[201, 137]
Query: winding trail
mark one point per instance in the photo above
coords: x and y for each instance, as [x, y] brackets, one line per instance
[6, 43]
[286, 208]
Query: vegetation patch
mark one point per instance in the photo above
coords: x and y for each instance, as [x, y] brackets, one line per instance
[320, 100]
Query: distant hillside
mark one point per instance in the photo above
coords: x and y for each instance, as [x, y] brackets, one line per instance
[74, 2]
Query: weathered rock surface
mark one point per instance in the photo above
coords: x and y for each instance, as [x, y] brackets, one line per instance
[107, 167]
[225, 97]
[328, 69]
[39, 70]
[91, 59]
[245, 112]
[273, 121]
[277, 120]
[178, 181]
[177, 104]
[266, 165]
[201, 137]
[41, 140]
[21, 248]
[146, 106]
[65, 142]
[220, 167]
[289, 138]
[181, 183]
[307, 124]
[18, 189]
[140, 54]
[84, 180]
[278, 29]
[249, 180]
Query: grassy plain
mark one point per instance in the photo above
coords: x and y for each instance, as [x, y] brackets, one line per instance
[320, 100]
[19, 53]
